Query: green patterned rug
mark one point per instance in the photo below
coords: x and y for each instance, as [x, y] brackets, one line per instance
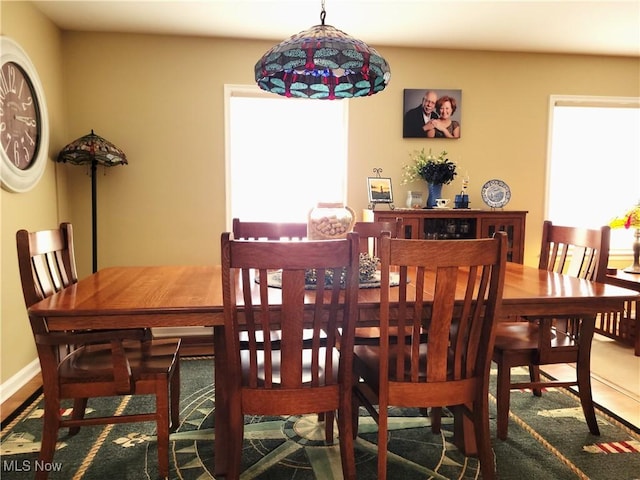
[548, 439]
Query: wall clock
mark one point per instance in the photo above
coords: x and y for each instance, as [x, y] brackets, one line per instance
[24, 126]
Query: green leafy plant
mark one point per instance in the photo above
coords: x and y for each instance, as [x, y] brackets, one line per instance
[434, 169]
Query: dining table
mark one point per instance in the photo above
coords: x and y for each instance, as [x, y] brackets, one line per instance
[191, 295]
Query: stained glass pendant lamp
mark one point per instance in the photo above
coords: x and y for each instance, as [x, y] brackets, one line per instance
[93, 150]
[322, 63]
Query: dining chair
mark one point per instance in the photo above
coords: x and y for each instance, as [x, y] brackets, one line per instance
[318, 373]
[269, 230]
[450, 366]
[78, 365]
[369, 232]
[579, 252]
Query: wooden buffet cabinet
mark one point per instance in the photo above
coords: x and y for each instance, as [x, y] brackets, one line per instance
[458, 223]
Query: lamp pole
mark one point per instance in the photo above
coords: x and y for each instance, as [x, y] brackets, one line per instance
[94, 219]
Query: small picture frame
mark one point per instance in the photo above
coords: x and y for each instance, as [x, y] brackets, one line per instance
[380, 190]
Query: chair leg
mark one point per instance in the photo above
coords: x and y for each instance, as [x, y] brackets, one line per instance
[383, 430]
[503, 392]
[162, 426]
[328, 427]
[346, 436]
[534, 375]
[483, 440]
[49, 436]
[236, 437]
[79, 407]
[436, 419]
[175, 397]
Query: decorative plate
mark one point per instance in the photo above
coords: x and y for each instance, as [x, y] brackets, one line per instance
[496, 193]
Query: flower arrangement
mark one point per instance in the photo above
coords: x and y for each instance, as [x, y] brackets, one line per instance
[438, 170]
[628, 220]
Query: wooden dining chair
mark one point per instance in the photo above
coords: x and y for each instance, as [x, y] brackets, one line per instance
[78, 365]
[450, 366]
[269, 230]
[318, 374]
[579, 252]
[369, 232]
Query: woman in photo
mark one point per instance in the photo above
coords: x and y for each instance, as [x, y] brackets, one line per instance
[444, 127]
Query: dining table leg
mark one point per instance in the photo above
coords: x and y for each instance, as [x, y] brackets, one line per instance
[221, 453]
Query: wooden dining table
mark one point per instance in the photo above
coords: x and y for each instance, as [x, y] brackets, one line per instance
[181, 296]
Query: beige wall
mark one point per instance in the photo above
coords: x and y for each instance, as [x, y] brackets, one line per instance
[160, 99]
[45, 205]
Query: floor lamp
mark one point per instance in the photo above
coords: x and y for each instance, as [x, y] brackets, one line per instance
[92, 150]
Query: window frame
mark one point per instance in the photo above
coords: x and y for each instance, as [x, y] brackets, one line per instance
[583, 101]
[249, 91]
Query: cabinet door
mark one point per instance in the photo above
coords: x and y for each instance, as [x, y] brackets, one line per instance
[411, 224]
[513, 227]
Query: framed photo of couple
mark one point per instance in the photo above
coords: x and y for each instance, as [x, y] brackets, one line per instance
[431, 113]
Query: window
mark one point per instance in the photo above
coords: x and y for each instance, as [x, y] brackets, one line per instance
[284, 155]
[593, 172]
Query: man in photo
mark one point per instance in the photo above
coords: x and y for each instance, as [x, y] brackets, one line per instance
[417, 120]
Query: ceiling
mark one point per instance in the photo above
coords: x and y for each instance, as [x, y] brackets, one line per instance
[563, 26]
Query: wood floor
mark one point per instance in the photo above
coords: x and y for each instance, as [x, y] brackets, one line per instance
[615, 381]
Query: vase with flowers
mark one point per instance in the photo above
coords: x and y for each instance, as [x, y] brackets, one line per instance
[436, 170]
[631, 219]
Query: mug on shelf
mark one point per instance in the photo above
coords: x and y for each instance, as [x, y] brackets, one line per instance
[442, 202]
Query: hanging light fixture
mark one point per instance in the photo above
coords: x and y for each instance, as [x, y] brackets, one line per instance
[92, 150]
[324, 63]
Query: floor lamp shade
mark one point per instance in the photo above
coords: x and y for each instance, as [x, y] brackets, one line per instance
[92, 150]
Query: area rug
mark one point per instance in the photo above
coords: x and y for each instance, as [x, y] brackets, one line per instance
[548, 439]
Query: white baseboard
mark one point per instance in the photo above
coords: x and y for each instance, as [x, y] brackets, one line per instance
[19, 380]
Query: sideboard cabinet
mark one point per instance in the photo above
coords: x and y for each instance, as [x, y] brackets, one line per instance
[463, 223]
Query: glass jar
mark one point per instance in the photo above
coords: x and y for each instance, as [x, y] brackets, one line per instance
[414, 199]
[328, 221]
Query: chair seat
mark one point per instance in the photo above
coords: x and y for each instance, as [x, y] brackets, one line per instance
[367, 357]
[519, 336]
[94, 363]
[277, 365]
[371, 335]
